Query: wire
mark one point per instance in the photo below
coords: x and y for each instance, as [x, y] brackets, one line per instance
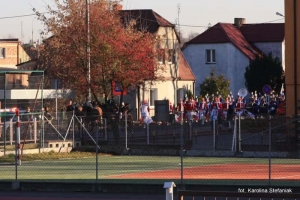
[17, 16]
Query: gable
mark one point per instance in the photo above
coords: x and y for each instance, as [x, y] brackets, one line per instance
[226, 33]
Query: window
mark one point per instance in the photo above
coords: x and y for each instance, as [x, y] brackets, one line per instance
[210, 56]
[2, 52]
[161, 56]
[171, 56]
[153, 96]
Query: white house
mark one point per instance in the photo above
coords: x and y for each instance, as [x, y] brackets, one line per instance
[229, 47]
[178, 75]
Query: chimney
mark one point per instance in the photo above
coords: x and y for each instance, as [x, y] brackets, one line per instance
[238, 22]
[117, 7]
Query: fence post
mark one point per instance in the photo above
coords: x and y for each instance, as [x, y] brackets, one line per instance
[169, 190]
[125, 130]
[105, 129]
[233, 148]
[270, 142]
[214, 132]
[240, 135]
[11, 131]
[34, 129]
[18, 157]
[148, 135]
[190, 129]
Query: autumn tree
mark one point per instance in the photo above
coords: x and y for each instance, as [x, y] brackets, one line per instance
[118, 52]
[264, 70]
[214, 84]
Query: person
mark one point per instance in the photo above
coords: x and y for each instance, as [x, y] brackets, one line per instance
[79, 114]
[213, 115]
[180, 111]
[225, 106]
[171, 112]
[47, 113]
[190, 106]
[70, 107]
[145, 111]
[203, 107]
[240, 105]
[28, 116]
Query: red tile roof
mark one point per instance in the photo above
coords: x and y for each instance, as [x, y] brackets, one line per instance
[243, 37]
[146, 19]
[185, 71]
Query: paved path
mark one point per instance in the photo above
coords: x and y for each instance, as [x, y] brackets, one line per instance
[23, 195]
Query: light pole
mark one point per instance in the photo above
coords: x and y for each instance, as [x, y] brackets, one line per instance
[88, 50]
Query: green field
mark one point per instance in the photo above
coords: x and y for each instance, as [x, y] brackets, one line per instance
[84, 169]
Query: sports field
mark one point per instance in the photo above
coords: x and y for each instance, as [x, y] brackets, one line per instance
[155, 168]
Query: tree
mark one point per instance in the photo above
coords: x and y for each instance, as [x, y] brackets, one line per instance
[118, 52]
[264, 70]
[214, 84]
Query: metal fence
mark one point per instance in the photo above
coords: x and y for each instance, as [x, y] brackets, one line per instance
[261, 150]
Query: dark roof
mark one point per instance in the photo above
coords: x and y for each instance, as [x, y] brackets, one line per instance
[10, 40]
[243, 37]
[146, 19]
[267, 32]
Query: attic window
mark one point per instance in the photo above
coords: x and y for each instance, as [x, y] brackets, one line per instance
[2, 52]
[210, 56]
[171, 56]
[161, 56]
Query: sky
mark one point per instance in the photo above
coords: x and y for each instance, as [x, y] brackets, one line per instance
[193, 16]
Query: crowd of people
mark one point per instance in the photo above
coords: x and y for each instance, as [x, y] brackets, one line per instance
[215, 107]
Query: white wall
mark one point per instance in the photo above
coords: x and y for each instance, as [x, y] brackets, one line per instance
[276, 48]
[230, 61]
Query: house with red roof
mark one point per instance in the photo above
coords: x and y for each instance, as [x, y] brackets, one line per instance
[228, 48]
[178, 75]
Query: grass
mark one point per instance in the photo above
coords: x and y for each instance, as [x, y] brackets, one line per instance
[48, 156]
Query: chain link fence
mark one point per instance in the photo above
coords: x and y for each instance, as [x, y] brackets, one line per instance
[261, 150]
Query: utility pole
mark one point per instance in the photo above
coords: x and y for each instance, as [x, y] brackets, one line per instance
[88, 50]
[178, 6]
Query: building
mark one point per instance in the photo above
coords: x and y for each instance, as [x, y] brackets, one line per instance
[292, 56]
[228, 48]
[178, 75]
[12, 53]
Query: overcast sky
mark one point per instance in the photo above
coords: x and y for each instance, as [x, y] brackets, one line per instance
[194, 15]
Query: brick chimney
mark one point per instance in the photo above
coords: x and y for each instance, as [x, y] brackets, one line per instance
[238, 22]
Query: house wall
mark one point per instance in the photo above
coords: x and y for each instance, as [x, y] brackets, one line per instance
[276, 48]
[292, 56]
[168, 40]
[230, 62]
[14, 54]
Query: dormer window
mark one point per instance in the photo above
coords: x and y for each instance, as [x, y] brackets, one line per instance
[210, 56]
[2, 52]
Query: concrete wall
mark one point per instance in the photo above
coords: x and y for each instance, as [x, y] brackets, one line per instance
[230, 62]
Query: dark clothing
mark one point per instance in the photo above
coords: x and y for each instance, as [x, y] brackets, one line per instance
[69, 108]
